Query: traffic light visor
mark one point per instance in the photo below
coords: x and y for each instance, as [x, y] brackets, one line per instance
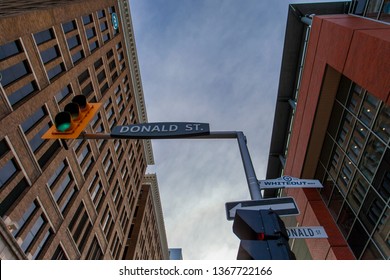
[63, 121]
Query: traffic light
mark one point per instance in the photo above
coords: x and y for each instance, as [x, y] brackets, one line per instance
[263, 236]
[73, 120]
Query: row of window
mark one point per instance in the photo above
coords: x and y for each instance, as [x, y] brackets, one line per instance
[354, 167]
[17, 75]
[375, 9]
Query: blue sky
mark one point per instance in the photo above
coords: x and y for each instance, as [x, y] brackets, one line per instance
[213, 61]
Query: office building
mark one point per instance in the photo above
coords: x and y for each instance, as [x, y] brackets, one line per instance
[332, 123]
[175, 254]
[72, 199]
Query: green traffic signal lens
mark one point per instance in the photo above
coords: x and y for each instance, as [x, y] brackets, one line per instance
[63, 121]
[63, 127]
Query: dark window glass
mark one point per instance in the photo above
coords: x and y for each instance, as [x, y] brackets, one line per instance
[37, 141]
[90, 32]
[71, 194]
[63, 93]
[12, 197]
[382, 178]
[336, 202]
[32, 234]
[104, 88]
[7, 171]
[62, 187]
[355, 99]
[382, 123]
[346, 219]
[103, 26]
[94, 252]
[22, 93]
[101, 76]
[371, 157]
[371, 253]
[357, 239]
[49, 154]
[345, 130]
[372, 209]
[10, 49]
[358, 190]
[55, 71]
[69, 26]
[73, 42]
[369, 110]
[356, 144]
[110, 54]
[87, 90]
[112, 65]
[106, 37]
[44, 36]
[98, 64]
[59, 254]
[77, 56]
[101, 14]
[94, 45]
[382, 233]
[56, 174]
[26, 215]
[83, 77]
[14, 72]
[3, 147]
[42, 244]
[87, 19]
[34, 119]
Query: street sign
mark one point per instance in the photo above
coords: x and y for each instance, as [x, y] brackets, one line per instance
[283, 206]
[162, 130]
[306, 232]
[289, 182]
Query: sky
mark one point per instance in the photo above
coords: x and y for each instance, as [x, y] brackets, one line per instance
[218, 62]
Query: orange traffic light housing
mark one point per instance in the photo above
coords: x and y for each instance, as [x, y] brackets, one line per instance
[73, 120]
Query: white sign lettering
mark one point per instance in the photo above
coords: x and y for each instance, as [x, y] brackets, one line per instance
[306, 232]
[161, 130]
[289, 182]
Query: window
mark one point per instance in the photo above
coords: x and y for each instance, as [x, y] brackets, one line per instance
[50, 54]
[34, 119]
[80, 227]
[55, 71]
[94, 252]
[59, 254]
[83, 77]
[22, 93]
[77, 56]
[15, 72]
[90, 32]
[44, 36]
[69, 26]
[63, 93]
[87, 19]
[73, 42]
[101, 14]
[10, 49]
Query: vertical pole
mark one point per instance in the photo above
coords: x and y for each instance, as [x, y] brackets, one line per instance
[253, 183]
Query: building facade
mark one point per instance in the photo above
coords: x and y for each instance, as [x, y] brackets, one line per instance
[332, 123]
[75, 199]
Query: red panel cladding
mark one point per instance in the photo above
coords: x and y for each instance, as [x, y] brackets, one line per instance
[333, 44]
[370, 50]
[310, 57]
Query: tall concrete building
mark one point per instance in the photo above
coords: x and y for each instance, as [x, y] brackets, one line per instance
[80, 202]
[332, 123]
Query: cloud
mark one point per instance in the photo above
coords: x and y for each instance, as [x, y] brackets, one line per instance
[215, 62]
